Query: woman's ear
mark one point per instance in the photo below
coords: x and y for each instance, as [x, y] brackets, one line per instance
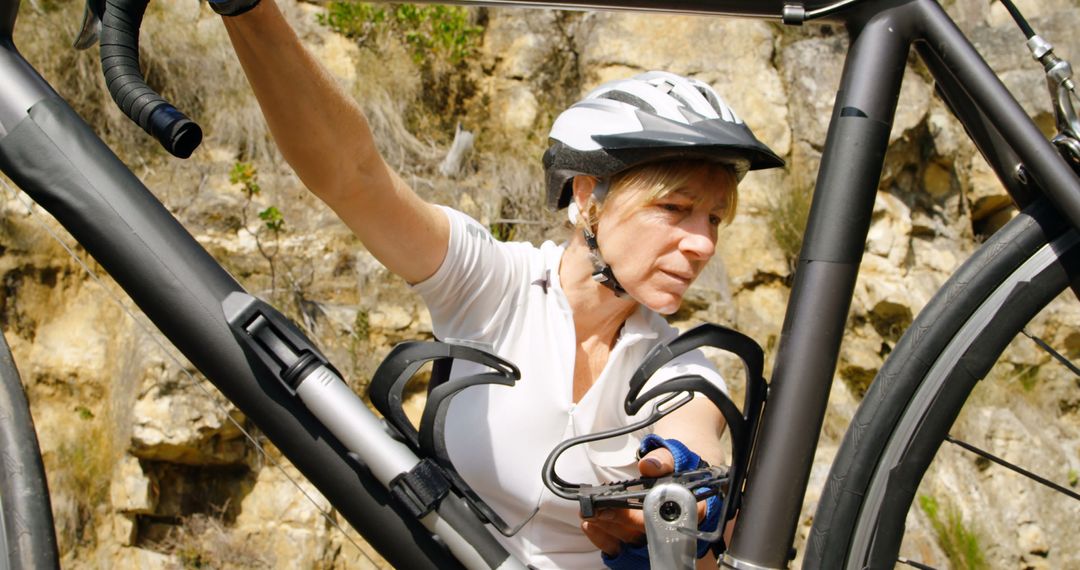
[583, 187]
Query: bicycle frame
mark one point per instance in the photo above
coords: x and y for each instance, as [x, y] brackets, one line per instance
[163, 269]
[62, 165]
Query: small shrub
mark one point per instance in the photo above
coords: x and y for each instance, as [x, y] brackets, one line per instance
[439, 40]
[244, 173]
[273, 219]
[203, 541]
[786, 219]
[82, 469]
[439, 32]
[960, 543]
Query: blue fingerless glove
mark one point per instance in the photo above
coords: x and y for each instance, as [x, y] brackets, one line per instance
[629, 558]
[637, 557]
[232, 7]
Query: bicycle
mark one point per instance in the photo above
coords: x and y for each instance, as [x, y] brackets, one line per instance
[380, 482]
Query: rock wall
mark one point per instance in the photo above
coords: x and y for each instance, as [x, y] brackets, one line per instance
[149, 466]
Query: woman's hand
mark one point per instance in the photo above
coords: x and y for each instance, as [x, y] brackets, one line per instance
[612, 528]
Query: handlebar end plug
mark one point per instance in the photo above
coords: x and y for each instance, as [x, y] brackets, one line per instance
[177, 133]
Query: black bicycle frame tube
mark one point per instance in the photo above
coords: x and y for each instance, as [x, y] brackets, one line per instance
[980, 128]
[774, 9]
[821, 295]
[1041, 160]
[56, 159]
[837, 228]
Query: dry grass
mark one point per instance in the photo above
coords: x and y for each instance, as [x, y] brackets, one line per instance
[203, 541]
[787, 218]
[80, 473]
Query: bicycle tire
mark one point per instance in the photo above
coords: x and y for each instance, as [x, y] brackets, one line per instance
[919, 391]
[28, 540]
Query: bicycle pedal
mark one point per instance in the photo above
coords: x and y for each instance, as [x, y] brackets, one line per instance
[630, 493]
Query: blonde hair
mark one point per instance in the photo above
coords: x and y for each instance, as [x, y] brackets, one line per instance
[656, 180]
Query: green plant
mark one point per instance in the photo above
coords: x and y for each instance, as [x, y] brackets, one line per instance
[786, 219]
[443, 32]
[960, 543]
[356, 20]
[435, 43]
[1074, 477]
[273, 219]
[245, 174]
[1028, 377]
[82, 467]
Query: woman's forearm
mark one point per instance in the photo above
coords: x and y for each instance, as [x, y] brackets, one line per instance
[319, 129]
[324, 136]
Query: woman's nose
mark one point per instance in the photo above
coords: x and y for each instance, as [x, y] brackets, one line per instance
[699, 239]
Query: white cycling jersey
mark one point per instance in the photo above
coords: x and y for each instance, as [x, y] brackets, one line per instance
[507, 297]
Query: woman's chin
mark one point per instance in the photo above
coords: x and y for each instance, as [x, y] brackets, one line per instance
[664, 304]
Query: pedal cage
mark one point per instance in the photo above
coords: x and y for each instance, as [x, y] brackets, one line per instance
[743, 424]
[630, 494]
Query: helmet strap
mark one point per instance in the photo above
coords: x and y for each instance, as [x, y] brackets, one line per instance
[602, 272]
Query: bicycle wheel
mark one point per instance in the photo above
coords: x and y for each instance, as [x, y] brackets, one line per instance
[28, 539]
[917, 402]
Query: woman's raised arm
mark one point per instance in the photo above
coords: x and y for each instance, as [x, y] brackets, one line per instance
[325, 137]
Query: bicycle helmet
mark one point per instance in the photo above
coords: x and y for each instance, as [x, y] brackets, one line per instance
[649, 117]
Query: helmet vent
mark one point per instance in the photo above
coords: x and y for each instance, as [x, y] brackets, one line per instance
[629, 99]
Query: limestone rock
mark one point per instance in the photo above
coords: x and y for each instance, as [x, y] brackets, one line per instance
[131, 490]
[176, 421]
[118, 529]
[520, 43]
[278, 519]
[890, 230]
[1032, 540]
[517, 107]
[746, 250]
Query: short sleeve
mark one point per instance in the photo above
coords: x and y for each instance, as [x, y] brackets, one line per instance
[476, 284]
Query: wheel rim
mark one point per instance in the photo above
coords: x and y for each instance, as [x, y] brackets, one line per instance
[881, 502]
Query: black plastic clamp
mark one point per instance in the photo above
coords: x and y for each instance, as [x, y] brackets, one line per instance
[420, 489]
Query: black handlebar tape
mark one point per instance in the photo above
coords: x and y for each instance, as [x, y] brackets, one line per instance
[120, 64]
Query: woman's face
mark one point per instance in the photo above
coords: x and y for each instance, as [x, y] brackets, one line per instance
[657, 247]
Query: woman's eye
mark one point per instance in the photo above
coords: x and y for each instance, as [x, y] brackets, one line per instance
[670, 207]
[715, 220]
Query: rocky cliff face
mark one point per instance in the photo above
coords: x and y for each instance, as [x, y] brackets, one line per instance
[149, 466]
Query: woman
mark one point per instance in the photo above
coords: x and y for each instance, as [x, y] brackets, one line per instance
[648, 168]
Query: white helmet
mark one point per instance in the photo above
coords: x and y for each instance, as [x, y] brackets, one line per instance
[652, 116]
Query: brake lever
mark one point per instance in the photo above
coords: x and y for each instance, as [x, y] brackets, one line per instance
[90, 30]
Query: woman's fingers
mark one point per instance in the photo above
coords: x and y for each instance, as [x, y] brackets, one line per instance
[607, 543]
[657, 463]
[625, 525]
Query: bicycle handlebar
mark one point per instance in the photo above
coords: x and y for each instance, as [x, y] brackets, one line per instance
[120, 63]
